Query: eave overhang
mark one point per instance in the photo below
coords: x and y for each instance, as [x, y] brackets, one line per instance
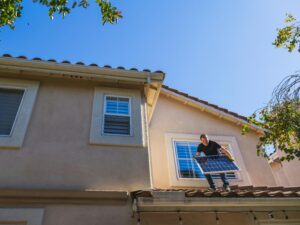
[33, 196]
[149, 204]
[151, 82]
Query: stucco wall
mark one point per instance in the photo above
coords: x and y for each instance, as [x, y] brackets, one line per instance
[172, 116]
[112, 214]
[56, 153]
[286, 173]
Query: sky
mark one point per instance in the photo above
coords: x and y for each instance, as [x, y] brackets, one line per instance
[219, 51]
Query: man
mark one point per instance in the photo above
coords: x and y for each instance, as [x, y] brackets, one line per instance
[213, 148]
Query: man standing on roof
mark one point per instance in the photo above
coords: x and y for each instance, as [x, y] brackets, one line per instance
[213, 148]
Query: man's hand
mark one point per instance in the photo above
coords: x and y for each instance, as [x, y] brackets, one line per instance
[227, 153]
[197, 153]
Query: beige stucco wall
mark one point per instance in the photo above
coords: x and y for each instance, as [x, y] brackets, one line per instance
[286, 173]
[172, 116]
[56, 153]
[112, 214]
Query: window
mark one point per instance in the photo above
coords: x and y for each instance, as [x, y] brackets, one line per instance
[186, 166]
[183, 172]
[17, 99]
[117, 118]
[10, 100]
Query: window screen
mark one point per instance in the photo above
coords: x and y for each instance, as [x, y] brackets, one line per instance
[117, 115]
[10, 100]
[186, 166]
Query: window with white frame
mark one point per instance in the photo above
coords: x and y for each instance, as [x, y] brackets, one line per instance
[10, 100]
[17, 99]
[117, 115]
[185, 165]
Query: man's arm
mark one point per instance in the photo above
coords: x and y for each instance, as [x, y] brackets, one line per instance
[198, 150]
[227, 153]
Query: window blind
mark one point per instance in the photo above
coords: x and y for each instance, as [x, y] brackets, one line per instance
[117, 115]
[10, 100]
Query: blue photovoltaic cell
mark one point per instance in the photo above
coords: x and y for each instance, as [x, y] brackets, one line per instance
[216, 164]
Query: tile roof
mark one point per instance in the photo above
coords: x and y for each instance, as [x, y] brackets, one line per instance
[79, 63]
[236, 192]
[205, 102]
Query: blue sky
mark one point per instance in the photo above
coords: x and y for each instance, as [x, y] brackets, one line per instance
[219, 51]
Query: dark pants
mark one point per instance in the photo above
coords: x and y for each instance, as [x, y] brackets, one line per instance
[212, 183]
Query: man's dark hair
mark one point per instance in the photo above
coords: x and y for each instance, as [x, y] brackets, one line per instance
[203, 136]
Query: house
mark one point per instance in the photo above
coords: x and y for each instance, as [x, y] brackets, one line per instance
[83, 144]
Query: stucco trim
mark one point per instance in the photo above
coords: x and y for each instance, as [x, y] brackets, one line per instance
[145, 204]
[26, 216]
[32, 196]
[137, 137]
[243, 177]
[16, 138]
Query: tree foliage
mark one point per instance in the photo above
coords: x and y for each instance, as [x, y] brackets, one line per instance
[10, 10]
[289, 36]
[280, 120]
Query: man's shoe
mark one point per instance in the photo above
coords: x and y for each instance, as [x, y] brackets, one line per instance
[212, 189]
[227, 188]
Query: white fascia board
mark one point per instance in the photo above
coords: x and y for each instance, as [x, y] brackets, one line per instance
[87, 72]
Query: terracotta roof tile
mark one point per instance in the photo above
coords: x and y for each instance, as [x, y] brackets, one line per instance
[37, 59]
[6, 55]
[205, 102]
[135, 69]
[77, 63]
[93, 64]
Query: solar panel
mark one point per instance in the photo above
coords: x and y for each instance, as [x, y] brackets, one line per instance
[215, 164]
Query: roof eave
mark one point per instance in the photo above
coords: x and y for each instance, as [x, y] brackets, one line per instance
[66, 70]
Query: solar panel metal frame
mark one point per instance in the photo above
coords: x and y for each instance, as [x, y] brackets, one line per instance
[215, 172]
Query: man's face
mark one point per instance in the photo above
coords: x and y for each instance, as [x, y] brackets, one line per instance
[204, 140]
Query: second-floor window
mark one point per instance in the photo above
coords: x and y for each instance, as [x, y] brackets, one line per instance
[10, 101]
[186, 166]
[117, 115]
